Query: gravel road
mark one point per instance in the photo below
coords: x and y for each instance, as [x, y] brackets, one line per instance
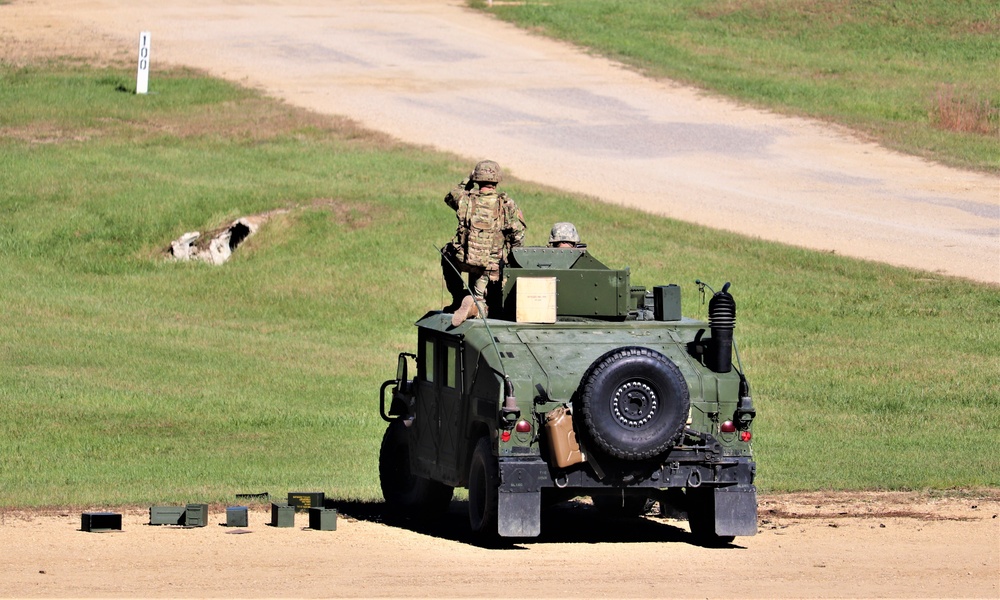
[433, 73]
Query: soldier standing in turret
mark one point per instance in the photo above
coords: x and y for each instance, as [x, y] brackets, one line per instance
[489, 225]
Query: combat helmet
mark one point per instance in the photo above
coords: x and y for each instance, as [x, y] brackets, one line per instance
[487, 171]
[564, 232]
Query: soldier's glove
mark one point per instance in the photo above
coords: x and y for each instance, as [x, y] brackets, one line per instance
[468, 184]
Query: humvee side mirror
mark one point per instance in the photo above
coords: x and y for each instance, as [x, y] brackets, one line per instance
[401, 369]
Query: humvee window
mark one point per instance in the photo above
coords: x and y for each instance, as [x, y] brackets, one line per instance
[428, 362]
[451, 367]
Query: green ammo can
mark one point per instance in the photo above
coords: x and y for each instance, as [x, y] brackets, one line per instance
[236, 516]
[282, 515]
[323, 519]
[166, 515]
[196, 515]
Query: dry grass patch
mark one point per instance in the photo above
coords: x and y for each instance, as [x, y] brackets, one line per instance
[957, 110]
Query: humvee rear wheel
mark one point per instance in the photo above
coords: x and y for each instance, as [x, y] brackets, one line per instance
[635, 403]
[404, 492]
[484, 481]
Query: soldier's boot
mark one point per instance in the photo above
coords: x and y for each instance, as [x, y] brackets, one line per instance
[467, 310]
[456, 303]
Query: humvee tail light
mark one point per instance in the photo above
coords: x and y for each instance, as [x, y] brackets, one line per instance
[523, 426]
[505, 436]
[745, 436]
[727, 427]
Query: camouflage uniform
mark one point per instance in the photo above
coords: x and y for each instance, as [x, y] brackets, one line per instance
[489, 225]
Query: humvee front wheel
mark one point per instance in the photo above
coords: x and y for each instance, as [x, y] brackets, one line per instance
[484, 483]
[404, 492]
[635, 403]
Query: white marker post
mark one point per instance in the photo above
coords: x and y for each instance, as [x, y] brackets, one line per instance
[142, 77]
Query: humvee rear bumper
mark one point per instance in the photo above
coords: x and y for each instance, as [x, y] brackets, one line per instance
[522, 480]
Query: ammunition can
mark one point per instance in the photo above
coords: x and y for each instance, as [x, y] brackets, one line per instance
[166, 515]
[101, 521]
[303, 501]
[323, 519]
[196, 515]
[236, 516]
[282, 515]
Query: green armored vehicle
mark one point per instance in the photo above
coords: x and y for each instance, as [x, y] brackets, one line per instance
[578, 384]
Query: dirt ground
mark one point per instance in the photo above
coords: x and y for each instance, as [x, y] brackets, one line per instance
[821, 545]
[410, 68]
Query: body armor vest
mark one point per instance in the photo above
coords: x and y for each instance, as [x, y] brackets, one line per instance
[483, 221]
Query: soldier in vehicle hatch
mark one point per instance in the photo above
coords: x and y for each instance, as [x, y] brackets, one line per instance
[564, 235]
[489, 225]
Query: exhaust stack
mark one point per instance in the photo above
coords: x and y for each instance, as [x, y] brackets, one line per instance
[722, 322]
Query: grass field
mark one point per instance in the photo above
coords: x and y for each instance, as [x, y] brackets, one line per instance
[128, 378]
[921, 77]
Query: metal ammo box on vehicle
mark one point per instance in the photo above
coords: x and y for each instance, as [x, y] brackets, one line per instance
[620, 398]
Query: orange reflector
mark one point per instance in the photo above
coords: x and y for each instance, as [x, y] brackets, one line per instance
[727, 427]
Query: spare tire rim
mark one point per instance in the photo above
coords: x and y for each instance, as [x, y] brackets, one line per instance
[634, 404]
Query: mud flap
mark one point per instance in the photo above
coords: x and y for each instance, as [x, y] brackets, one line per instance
[736, 510]
[519, 514]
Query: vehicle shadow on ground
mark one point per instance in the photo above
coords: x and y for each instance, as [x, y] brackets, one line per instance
[567, 522]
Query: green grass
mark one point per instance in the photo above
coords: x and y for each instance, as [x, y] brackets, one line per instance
[129, 378]
[921, 77]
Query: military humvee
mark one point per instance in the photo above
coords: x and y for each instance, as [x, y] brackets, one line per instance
[578, 384]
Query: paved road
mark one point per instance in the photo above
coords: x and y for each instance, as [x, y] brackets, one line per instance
[434, 73]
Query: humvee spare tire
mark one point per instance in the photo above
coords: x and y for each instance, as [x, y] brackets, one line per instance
[634, 402]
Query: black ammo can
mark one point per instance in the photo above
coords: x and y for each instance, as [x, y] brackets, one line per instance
[305, 500]
[236, 516]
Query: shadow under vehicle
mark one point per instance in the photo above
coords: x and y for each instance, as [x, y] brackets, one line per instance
[578, 384]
